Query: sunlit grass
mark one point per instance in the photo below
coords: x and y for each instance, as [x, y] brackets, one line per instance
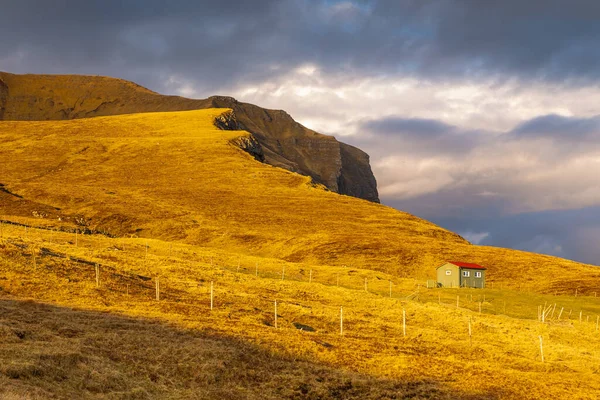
[170, 197]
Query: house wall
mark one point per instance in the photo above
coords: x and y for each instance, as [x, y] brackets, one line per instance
[471, 280]
[452, 280]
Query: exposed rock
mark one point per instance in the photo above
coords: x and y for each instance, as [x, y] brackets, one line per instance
[227, 121]
[250, 145]
[3, 98]
[276, 138]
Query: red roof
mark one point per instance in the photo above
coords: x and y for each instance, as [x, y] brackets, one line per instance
[466, 265]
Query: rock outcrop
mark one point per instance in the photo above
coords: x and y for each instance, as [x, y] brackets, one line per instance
[3, 98]
[279, 140]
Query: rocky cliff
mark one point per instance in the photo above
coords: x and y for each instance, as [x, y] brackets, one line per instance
[3, 98]
[283, 142]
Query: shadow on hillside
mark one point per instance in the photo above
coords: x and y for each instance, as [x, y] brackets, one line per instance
[48, 351]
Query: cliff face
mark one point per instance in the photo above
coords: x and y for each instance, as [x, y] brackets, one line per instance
[3, 98]
[284, 142]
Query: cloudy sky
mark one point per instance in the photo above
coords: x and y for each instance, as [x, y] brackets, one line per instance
[481, 116]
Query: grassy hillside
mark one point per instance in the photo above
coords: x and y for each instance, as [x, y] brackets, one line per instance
[168, 198]
[283, 142]
[58, 339]
[174, 176]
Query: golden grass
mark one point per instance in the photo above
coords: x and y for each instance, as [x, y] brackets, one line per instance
[208, 212]
[435, 359]
[174, 176]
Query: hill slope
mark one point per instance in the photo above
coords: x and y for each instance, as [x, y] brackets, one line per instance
[168, 201]
[284, 142]
[175, 176]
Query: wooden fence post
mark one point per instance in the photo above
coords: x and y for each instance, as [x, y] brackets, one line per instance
[157, 289]
[404, 321]
[580, 315]
[390, 288]
[211, 295]
[479, 307]
[457, 301]
[76, 237]
[597, 320]
[275, 314]
[283, 273]
[470, 333]
[256, 268]
[341, 321]
[542, 348]
[97, 275]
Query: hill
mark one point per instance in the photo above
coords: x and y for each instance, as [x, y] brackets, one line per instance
[115, 231]
[282, 142]
[175, 176]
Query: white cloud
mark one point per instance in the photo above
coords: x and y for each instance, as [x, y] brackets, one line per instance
[480, 158]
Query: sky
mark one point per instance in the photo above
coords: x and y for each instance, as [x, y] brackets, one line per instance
[481, 116]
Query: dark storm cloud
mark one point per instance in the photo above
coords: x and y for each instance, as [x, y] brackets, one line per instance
[566, 233]
[411, 126]
[559, 127]
[214, 44]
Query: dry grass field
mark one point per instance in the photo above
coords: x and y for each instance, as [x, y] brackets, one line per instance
[168, 198]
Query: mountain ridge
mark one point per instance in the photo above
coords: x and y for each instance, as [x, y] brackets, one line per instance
[285, 143]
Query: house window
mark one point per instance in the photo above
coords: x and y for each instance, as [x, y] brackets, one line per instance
[477, 274]
[448, 272]
[466, 274]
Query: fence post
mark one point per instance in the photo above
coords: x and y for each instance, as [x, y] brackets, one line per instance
[275, 314]
[256, 268]
[404, 321]
[457, 300]
[390, 288]
[542, 348]
[470, 333]
[97, 275]
[157, 289]
[211, 295]
[341, 321]
[283, 273]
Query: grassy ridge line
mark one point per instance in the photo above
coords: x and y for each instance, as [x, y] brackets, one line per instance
[373, 344]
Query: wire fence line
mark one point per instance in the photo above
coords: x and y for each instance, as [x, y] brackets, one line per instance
[193, 291]
[131, 282]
